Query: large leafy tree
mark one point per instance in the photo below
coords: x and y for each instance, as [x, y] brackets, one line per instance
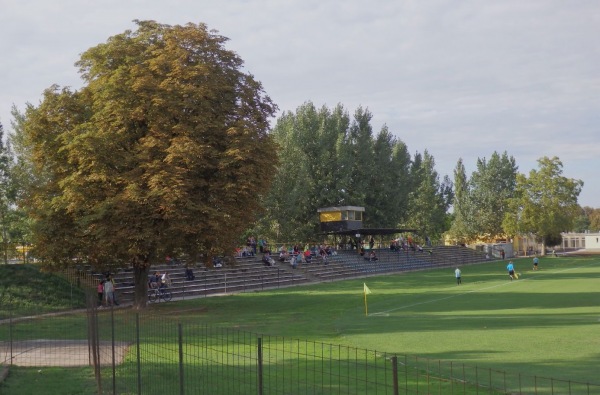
[164, 150]
[491, 185]
[545, 203]
[594, 216]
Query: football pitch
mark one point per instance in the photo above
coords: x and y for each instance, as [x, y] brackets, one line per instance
[545, 324]
[538, 334]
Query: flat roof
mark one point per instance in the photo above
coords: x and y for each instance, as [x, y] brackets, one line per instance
[340, 208]
[372, 231]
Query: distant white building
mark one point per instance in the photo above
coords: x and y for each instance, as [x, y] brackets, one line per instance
[575, 241]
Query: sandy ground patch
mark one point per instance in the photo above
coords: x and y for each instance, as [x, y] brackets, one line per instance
[64, 353]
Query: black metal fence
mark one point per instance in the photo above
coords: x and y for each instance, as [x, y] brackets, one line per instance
[144, 353]
[169, 357]
[153, 354]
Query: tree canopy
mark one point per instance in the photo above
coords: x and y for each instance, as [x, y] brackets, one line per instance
[163, 151]
[329, 158]
[481, 201]
[545, 202]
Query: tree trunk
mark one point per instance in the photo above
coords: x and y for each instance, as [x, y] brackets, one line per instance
[140, 278]
[543, 252]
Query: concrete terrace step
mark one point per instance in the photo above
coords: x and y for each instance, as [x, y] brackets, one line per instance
[250, 274]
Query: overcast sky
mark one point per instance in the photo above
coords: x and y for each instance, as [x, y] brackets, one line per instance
[460, 79]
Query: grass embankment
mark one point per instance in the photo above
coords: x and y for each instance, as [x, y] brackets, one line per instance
[25, 290]
[545, 324]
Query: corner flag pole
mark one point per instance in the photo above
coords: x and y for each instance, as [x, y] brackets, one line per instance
[366, 291]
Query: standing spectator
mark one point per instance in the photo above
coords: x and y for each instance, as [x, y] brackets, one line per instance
[457, 274]
[111, 279]
[165, 280]
[371, 243]
[100, 289]
[109, 292]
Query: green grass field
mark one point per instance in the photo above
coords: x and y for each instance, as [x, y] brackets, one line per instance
[545, 324]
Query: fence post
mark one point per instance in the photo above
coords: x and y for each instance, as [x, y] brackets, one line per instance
[180, 341]
[260, 366]
[138, 356]
[114, 365]
[10, 332]
[395, 373]
[405, 374]
[451, 378]
[440, 375]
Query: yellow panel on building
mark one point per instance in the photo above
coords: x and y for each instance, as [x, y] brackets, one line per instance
[331, 216]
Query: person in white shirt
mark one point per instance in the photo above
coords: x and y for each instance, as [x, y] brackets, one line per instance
[457, 274]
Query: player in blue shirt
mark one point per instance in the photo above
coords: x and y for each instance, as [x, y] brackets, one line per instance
[511, 270]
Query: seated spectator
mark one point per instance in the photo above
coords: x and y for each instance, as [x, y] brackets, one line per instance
[419, 248]
[283, 255]
[267, 260]
[217, 262]
[362, 251]
[154, 281]
[189, 274]
[328, 250]
[372, 256]
[307, 256]
[296, 249]
[294, 261]
[324, 255]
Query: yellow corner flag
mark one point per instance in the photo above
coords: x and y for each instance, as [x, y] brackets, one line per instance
[366, 291]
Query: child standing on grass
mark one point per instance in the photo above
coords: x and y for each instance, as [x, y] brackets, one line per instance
[457, 274]
[100, 290]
